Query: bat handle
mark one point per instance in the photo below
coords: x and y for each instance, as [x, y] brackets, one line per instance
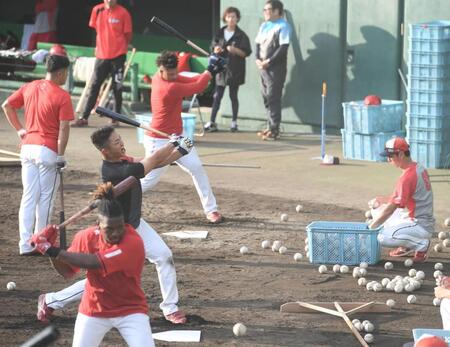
[324, 89]
[62, 231]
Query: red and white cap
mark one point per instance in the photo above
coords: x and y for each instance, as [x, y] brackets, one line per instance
[395, 145]
[371, 100]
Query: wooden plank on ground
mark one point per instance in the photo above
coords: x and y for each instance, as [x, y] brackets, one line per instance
[295, 307]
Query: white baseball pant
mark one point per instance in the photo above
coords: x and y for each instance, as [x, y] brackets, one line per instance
[400, 231]
[40, 182]
[191, 164]
[134, 328]
[445, 313]
[157, 252]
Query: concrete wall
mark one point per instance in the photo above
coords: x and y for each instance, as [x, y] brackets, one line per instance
[355, 45]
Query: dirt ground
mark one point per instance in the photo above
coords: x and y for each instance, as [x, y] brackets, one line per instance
[218, 286]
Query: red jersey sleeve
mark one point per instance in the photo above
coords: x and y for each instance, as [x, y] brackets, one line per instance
[66, 109]
[405, 188]
[93, 19]
[16, 99]
[186, 89]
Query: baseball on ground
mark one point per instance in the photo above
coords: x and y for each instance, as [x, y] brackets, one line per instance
[390, 302]
[420, 275]
[438, 266]
[412, 273]
[284, 217]
[411, 299]
[344, 269]
[322, 269]
[362, 281]
[388, 265]
[436, 301]
[265, 244]
[298, 256]
[282, 250]
[244, 250]
[446, 243]
[438, 248]
[11, 286]
[442, 235]
[336, 268]
[298, 208]
[447, 222]
[239, 329]
[276, 246]
[408, 262]
[368, 338]
[363, 265]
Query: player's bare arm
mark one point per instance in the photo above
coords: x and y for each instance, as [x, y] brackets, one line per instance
[13, 119]
[162, 157]
[388, 210]
[63, 138]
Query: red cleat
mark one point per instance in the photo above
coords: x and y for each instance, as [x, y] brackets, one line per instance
[214, 217]
[401, 252]
[44, 312]
[420, 257]
[177, 317]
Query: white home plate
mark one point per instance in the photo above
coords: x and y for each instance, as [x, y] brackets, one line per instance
[178, 335]
[188, 234]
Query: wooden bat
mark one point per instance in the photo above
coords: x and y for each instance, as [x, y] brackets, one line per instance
[105, 93]
[84, 94]
[167, 28]
[14, 154]
[124, 119]
[62, 230]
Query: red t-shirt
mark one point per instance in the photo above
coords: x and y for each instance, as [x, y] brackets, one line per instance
[114, 29]
[115, 289]
[167, 100]
[46, 104]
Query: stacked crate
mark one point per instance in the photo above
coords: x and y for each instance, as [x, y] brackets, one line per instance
[428, 103]
[368, 127]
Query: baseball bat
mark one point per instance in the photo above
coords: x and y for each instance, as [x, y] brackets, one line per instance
[44, 338]
[62, 230]
[13, 154]
[124, 119]
[167, 28]
[118, 190]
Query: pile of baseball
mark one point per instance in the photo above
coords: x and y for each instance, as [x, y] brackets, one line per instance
[444, 240]
[365, 326]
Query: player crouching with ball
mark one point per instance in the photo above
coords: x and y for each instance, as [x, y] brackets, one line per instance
[406, 215]
[113, 254]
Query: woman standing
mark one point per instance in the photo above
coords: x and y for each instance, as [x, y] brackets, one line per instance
[232, 44]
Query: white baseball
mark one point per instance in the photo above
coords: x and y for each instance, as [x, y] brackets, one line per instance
[307, 254]
[388, 265]
[354, 321]
[244, 250]
[436, 302]
[11, 285]
[409, 287]
[298, 256]
[412, 272]
[447, 222]
[377, 287]
[284, 217]
[363, 265]
[344, 269]
[362, 272]
[282, 250]
[408, 262]
[437, 273]
[442, 235]
[390, 302]
[398, 288]
[369, 327]
[365, 322]
[368, 214]
[239, 329]
[336, 268]
[368, 338]
[358, 326]
[276, 246]
[420, 275]
[411, 299]
[438, 266]
[322, 269]
[438, 248]
[369, 286]
[265, 244]
[385, 282]
[298, 208]
[306, 240]
[362, 281]
[391, 285]
[306, 248]
[446, 243]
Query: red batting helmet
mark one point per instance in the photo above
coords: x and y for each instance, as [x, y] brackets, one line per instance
[372, 100]
[58, 50]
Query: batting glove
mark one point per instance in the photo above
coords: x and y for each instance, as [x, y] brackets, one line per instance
[61, 162]
[175, 139]
[49, 233]
[185, 145]
[42, 246]
[21, 133]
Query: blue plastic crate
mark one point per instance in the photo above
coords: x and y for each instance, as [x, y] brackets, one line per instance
[364, 119]
[418, 95]
[424, 121]
[432, 46]
[342, 243]
[429, 71]
[437, 109]
[366, 147]
[434, 30]
[431, 154]
[428, 83]
[427, 134]
[188, 124]
[445, 334]
[428, 58]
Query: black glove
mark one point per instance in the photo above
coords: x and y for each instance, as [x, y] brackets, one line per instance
[216, 64]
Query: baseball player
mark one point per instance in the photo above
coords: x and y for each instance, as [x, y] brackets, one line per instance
[48, 111]
[406, 215]
[168, 90]
[113, 25]
[272, 43]
[116, 167]
[113, 255]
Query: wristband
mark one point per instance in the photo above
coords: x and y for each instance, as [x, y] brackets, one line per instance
[53, 252]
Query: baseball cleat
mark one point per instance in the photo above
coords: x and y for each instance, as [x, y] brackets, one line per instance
[80, 122]
[214, 217]
[44, 312]
[401, 252]
[270, 136]
[233, 127]
[177, 317]
[210, 127]
[420, 257]
[263, 133]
